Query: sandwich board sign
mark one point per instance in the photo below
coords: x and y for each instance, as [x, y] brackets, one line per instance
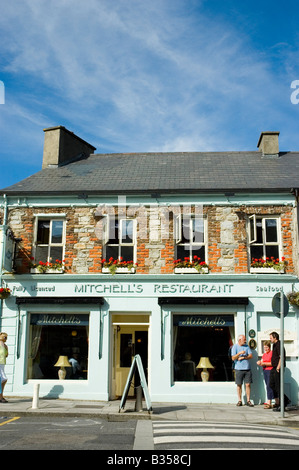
[136, 363]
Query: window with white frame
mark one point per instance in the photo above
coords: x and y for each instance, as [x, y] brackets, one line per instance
[120, 239]
[52, 335]
[190, 234]
[200, 335]
[49, 239]
[264, 237]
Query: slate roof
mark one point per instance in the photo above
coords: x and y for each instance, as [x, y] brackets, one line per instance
[166, 173]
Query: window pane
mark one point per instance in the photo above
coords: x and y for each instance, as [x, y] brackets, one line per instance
[57, 230]
[272, 251]
[192, 343]
[56, 252]
[259, 231]
[127, 227]
[47, 343]
[198, 230]
[251, 228]
[43, 231]
[127, 253]
[183, 251]
[256, 252]
[113, 231]
[199, 252]
[125, 350]
[41, 254]
[271, 230]
[185, 230]
[111, 252]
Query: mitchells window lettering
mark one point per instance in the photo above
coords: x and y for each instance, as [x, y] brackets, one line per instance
[42, 319]
[203, 320]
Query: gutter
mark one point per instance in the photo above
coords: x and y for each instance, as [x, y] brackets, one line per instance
[3, 243]
[295, 191]
[149, 191]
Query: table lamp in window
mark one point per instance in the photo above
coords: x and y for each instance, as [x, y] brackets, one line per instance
[204, 364]
[62, 362]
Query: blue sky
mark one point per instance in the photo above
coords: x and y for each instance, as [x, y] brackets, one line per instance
[130, 76]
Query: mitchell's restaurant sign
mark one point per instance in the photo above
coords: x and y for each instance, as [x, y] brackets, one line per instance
[141, 289]
[156, 289]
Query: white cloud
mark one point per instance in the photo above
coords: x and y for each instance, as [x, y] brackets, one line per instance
[136, 75]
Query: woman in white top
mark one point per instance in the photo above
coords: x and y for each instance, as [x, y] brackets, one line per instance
[3, 356]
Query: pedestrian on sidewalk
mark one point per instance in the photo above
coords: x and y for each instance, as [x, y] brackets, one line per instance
[275, 372]
[241, 355]
[265, 363]
[3, 356]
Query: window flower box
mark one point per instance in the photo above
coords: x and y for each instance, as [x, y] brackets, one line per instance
[118, 266]
[190, 266]
[191, 270]
[266, 271]
[119, 270]
[48, 271]
[268, 266]
[42, 267]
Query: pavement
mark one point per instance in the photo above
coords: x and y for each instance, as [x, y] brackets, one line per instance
[110, 410]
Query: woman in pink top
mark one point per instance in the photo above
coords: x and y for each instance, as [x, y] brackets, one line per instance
[265, 363]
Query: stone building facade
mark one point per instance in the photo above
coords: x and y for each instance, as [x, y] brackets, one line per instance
[150, 210]
[227, 247]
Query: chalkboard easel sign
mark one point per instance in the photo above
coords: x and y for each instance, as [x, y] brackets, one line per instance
[136, 363]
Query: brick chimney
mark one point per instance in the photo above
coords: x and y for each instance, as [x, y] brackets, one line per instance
[62, 146]
[268, 144]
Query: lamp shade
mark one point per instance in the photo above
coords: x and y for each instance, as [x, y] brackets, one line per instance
[62, 362]
[204, 363]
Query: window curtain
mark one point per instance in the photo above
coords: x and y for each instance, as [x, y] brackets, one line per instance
[175, 337]
[232, 335]
[34, 371]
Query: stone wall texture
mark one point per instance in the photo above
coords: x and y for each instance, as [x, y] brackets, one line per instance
[227, 239]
